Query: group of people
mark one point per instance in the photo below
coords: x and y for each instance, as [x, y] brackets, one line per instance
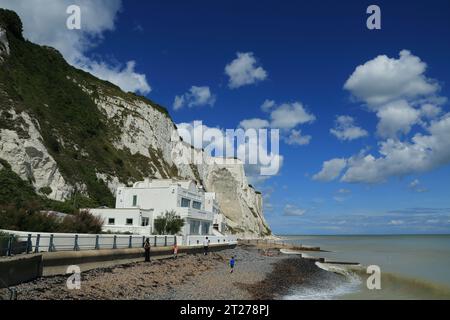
[175, 252]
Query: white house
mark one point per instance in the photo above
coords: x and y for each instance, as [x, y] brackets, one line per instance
[138, 206]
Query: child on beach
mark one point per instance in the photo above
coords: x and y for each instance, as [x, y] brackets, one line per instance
[232, 262]
[175, 251]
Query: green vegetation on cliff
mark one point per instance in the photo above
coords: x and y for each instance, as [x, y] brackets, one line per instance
[21, 208]
[17, 193]
[76, 133]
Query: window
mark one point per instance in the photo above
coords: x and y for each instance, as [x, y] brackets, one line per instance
[196, 205]
[145, 222]
[185, 203]
[205, 227]
[129, 222]
[135, 201]
[194, 227]
[111, 221]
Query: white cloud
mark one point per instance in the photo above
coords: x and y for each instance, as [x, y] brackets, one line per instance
[290, 115]
[396, 222]
[331, 170]
[254, 124]
[127, 78]
[195, 97]
[267, 105]
[344, 191]
[400, 94]
[416, 186]
[339, 199]
[45, 23]
[244, 70]
[199, 136]
[397, 116]
[394, 89]
[178, 102]
[414, 183]
[430, 111]
[385, 79]
[397, 158]
[286, 117]
[293, 211]
[345, 129]
[268, 207]
[296, 138]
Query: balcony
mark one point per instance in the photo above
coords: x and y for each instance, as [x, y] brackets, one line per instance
[195, 214]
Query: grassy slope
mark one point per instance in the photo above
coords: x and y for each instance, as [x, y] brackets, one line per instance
[40, 82]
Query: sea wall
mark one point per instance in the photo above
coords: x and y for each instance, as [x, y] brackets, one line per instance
[16, 270]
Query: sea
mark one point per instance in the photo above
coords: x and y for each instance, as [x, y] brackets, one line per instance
[413, 267]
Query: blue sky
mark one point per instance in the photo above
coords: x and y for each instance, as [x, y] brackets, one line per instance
[308, 51]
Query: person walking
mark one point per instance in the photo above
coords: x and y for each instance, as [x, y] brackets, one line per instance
[175, 250]
[205, 246]
[232, 262]
[147, 250]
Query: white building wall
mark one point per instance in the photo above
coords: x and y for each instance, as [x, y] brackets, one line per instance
[120, 217]
[159, 196]
[157, 199]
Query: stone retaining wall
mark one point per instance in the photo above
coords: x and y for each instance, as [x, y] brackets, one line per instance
[19, 269]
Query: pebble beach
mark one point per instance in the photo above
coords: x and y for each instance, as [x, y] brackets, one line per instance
[264, 274]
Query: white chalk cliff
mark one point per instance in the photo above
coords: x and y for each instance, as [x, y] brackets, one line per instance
[144, 130]
[29, 158]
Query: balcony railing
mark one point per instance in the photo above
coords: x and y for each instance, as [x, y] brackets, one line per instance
[195, 214]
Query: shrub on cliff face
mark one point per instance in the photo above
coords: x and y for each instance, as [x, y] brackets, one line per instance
[31, 220]
[34, 220]
[46, 190]
[21, 194]
[81, 222]
[14, 190]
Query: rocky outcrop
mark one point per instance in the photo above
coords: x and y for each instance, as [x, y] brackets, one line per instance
[24, 151]
[241, 204]
[4, 45]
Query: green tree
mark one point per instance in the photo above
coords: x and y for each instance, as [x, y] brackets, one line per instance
[168, 223]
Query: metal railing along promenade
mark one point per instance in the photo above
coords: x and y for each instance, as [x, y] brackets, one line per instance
[24, 243]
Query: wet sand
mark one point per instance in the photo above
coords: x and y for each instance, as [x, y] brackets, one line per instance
[259, 274]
